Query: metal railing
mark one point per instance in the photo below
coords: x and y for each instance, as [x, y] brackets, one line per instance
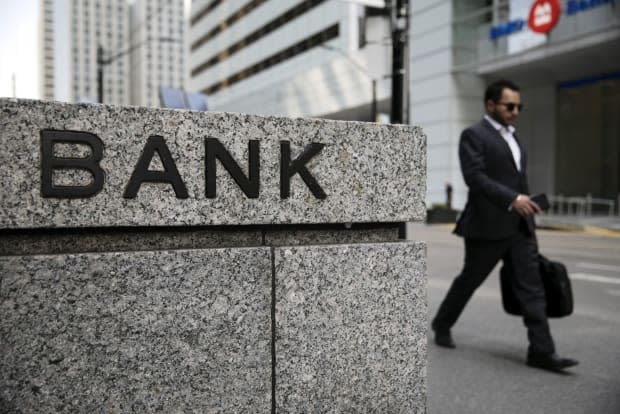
[582, 206]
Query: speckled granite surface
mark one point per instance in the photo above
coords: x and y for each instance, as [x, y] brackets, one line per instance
[190, 330]
[370, 173]
[168, 331]
[351, 328]
[90, 240]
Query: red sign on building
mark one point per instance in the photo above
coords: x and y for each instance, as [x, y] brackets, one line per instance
[544, 15]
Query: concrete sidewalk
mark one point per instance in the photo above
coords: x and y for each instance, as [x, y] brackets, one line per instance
[599, 225]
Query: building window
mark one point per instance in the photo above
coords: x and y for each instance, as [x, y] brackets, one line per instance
[279, 57]
[270, 27]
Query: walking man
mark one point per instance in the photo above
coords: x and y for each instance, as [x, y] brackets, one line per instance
[498, 224]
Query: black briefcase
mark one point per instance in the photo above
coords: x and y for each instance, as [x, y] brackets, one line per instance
[558, 291]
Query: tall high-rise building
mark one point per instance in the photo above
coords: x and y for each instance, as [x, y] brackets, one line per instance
[158, 30]
[46, 49]
[55, 48]
[95, 24]
[121, 51]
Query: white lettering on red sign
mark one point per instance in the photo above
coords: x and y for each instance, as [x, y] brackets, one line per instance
[544, 15]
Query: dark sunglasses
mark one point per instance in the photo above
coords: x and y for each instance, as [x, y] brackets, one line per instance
[511, 106]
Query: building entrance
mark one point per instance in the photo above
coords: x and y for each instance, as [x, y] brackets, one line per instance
[588, 138]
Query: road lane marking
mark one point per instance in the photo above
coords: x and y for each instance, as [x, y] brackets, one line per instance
[594, 278]
[597, 266]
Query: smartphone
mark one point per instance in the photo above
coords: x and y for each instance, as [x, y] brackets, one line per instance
[542, 201]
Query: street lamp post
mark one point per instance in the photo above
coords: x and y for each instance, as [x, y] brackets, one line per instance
[373, 107]
[400, 23]
[398, 11]
[102, 61]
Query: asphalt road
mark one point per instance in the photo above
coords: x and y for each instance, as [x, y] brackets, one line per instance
[486, 373]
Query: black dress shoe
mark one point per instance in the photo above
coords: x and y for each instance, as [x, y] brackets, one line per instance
[550, 362]
[444, 338]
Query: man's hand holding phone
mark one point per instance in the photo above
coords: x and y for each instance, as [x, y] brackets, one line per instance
[524, 206]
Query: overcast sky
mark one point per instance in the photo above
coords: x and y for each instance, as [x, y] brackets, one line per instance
[19, 49]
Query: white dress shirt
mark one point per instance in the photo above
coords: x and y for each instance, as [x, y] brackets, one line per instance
[508, 134]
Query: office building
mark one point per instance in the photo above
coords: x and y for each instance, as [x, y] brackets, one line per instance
[563, 54]
[140, 45]
[72, 31]
[317, 58]
[158, 28]
[46, 49]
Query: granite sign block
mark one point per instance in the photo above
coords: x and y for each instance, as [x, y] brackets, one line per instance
[157, 260]
[351, 328]
[166, 331]
[84, 165]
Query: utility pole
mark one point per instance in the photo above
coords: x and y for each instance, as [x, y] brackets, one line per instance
[100, 63]
[399, 10]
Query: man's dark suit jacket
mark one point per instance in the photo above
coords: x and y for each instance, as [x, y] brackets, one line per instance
[494, 182]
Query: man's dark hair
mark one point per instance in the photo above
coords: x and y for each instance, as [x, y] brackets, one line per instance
[494, 90]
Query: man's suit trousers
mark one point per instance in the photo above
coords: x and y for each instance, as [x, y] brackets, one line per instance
[521, 254]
